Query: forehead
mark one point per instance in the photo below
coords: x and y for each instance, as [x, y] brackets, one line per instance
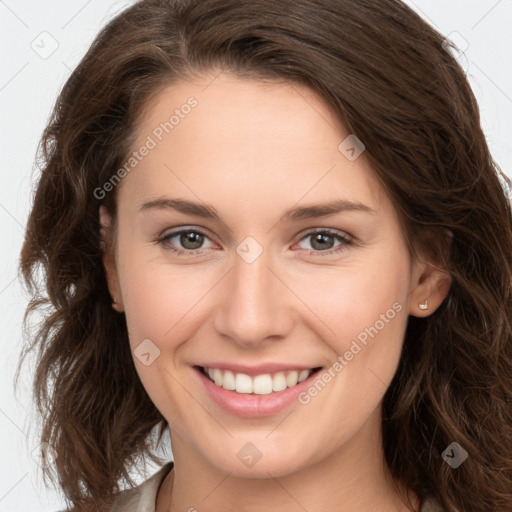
[238, 138]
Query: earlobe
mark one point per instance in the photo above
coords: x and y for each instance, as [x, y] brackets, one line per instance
[109, 261]
[431, 281]
[433, 285]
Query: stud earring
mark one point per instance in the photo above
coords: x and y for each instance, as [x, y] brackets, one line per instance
[423, 306]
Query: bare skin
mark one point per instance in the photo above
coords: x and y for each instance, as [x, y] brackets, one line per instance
[252, 151]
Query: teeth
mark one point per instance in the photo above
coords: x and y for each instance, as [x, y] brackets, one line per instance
[260, 384]
[217, 377]
[228, 381]
[279, 382]
[291, 379]
[303, 375]
[243, 383]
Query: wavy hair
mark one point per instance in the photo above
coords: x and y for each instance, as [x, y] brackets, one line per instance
[391, 80]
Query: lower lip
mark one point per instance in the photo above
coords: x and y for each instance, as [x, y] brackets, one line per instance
[252, 405]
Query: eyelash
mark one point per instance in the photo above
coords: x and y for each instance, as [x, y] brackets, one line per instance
[345, 239]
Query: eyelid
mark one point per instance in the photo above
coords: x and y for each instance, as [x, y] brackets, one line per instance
[179, 229]
[329, 231]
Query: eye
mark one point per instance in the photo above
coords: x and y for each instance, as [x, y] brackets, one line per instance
[322, 241]
[188, 241]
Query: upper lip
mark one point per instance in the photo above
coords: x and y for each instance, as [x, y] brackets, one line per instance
[258, 369]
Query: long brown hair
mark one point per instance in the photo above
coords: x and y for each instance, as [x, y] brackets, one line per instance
[387, 75]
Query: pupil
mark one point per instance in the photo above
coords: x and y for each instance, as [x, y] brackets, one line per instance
[321, 238]
[191, 240]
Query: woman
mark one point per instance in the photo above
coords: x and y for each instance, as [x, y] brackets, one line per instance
[275, 228]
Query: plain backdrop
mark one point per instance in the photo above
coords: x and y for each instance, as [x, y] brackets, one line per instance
[41, 43]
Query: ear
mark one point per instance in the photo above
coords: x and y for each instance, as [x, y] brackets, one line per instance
[430, 282]
[109, 260]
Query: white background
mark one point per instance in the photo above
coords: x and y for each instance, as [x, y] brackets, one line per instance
[28, 88]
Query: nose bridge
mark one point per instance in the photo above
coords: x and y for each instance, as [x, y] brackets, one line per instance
[253, 306]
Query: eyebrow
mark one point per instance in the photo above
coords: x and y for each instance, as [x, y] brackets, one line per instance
[293, 215]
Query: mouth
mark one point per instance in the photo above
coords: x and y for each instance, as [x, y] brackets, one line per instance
[263, 384]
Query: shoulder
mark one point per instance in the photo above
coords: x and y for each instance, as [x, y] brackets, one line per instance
[143, 497]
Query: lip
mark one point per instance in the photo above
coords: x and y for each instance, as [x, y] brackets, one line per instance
[252, 405]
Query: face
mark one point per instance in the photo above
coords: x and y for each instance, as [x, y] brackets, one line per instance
[252, 276]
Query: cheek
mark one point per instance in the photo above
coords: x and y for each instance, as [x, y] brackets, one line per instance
[158, 298]
[352, 298]
[160, 303]
[363, 306]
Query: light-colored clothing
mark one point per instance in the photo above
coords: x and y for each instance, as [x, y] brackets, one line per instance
[143, 497]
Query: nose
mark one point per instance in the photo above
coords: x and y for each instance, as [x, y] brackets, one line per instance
[255, 304]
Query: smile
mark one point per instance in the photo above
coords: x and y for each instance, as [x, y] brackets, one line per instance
[264, 384]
